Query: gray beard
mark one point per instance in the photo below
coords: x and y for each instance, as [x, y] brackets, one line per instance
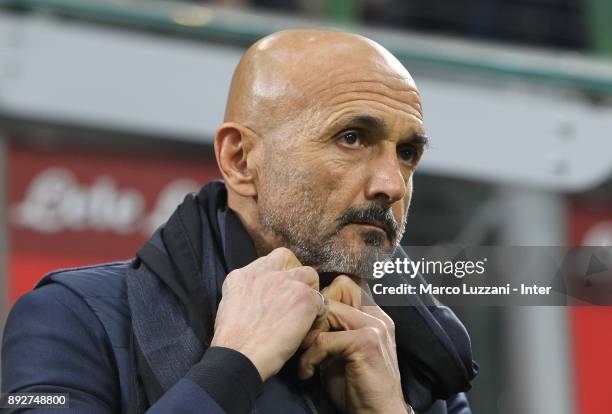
[325, 254]
[296, 225]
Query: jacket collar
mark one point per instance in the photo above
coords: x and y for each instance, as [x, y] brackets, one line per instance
[238, 247]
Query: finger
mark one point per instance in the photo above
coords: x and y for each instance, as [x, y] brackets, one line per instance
[321, 324]
[327, 344]
[378, 313]
[304, 274]
[278, 259]
[282, 258]
[325, 305]
[344, 289]
[367, 298]
[344, 317]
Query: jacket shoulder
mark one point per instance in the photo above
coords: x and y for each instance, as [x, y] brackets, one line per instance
[52, 340]
[103, 288]
[101, 280]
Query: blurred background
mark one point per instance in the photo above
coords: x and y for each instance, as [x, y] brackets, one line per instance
[108, 110]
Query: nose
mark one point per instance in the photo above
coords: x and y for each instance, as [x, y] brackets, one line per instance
[386, 182]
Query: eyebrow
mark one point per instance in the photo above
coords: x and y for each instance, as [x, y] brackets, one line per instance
[416, 138]
[375, 123]
[367, 121]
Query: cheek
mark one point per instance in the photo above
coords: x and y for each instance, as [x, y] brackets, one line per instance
[279, 185]
[303, 182]
[408, 197]
[325, 191]
[400, 209]
[325, 174]
[346, 183]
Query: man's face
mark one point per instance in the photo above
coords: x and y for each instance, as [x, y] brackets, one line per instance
[336, 179]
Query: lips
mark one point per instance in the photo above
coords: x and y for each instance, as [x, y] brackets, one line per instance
[376, 224]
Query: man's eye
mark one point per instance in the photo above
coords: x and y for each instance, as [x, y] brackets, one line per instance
[407, 153]
[350, 139]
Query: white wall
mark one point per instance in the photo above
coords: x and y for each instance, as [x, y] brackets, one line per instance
[500, 131]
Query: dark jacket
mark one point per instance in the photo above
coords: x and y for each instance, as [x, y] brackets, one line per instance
[72, 333]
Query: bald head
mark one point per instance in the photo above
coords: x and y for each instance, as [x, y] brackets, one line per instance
[322, 133]
[289, 72]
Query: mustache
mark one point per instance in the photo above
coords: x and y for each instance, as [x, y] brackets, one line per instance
[372, 214]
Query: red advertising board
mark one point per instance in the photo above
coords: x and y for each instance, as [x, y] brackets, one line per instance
[591, 327]
[72, 207]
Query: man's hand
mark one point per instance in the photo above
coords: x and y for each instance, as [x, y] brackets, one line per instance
[341, 289]
[267, 308]
[358, 359]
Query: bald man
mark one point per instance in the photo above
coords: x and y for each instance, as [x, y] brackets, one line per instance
[249, 299]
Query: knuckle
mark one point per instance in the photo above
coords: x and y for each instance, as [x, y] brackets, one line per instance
[230, 278]
[390, 325]
[344, 280]
[309, 271]
[273, 257]
[306, 296]
[320, 340]
[304, 292]
[303, 363]
[282, 257]
[381, 326]
[371, 337]
[282, 252]
[382, 316]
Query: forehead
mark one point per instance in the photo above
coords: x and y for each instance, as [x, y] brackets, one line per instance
[392, 98]
[325, 80]
[360, 70]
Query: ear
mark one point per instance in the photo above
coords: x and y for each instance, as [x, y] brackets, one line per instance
[233, 144]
